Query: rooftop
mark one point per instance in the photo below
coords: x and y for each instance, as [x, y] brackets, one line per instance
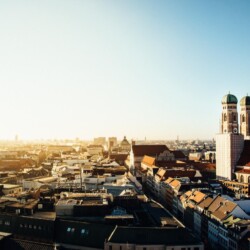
[152, 236]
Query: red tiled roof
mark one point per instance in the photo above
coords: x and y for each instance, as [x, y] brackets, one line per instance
[203, 166]
[175, 183]
[150, 150]
[170, 179]
[225, 208]
[205, 203]
[243, 171]
[148, 160]
[197, 196]
[161, 172]
[216, 203]
[245, 155]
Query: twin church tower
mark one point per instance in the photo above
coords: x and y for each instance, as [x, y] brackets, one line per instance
[230, 141]
[229, 119]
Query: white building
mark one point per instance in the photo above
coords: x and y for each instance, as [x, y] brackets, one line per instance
[228, 149]
[229, 143]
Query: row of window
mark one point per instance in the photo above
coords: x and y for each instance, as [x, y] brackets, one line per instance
[6, 222]
[229, 107]
[84, 231]
[35, 227]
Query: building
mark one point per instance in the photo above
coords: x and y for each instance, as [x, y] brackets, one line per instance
[230, 143]
[152, 238]
[95, 149]
[125, 145]
[139, 151]
[112, 142]
[245, 117]
[228, 148]
[100, 141]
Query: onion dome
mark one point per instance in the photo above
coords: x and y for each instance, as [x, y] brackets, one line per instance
[245, 101]
[229, 99]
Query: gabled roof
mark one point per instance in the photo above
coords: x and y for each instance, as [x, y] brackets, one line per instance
[161, 172]
[245, 155]
[178, 154]
[175, 184]
[225, 208]
[148, 160]
[169, 180]
[205, 203]
[216, 203]
[150, 150]
[197, 196]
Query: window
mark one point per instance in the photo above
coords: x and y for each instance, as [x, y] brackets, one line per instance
[68, 229]
[84, 231]
[241, 178]
[7, 223]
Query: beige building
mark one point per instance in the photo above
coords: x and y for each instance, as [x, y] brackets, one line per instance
[245, 117]
[125, 145]
[229, 117]
[228, 149]
[229, 143]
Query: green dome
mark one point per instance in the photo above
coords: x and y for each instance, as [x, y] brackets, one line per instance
[245, 101]
[229, 99]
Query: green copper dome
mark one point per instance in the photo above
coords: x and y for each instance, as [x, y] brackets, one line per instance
[245, 101]
[229, 99]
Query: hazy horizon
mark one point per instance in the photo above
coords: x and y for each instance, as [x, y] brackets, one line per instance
[154, 69]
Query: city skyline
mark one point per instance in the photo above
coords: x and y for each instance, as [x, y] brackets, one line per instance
[120, 68]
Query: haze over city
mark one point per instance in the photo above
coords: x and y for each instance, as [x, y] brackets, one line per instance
[113, 68]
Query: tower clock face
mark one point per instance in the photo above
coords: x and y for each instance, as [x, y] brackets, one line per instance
[235, 130]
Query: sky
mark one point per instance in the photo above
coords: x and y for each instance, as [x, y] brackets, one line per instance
[135, 68]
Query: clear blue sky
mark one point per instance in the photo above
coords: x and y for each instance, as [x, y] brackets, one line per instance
[111, 68]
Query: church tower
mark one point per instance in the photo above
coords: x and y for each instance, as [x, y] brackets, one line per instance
[245, 117]
[229, 143]
[229, 118]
